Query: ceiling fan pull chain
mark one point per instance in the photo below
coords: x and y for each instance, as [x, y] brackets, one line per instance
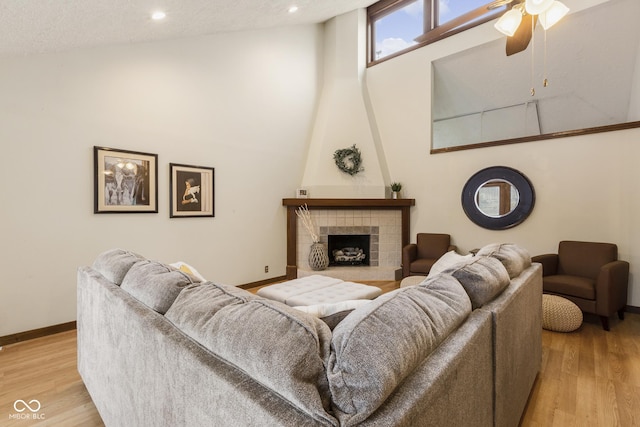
[533, 57]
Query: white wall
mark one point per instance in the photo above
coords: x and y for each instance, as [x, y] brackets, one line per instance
[342, 119]
[587, 187]
[242, 103]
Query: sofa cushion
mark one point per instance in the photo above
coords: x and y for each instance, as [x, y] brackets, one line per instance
[115, 263]
[483, 278]
[379, 344]
[284, 349]
[446, 261]
[154, 284]
[198, 302]
[514, 258]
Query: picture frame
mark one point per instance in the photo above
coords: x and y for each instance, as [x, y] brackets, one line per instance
[191, 191]
[125, 181]
[302, 193]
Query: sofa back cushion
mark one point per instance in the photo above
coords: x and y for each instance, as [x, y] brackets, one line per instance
[379, 344]
[514, 258]
[446, 261]
[483, 278]
[155, 284]
[114, 264]
[278, 346]
[199, 302]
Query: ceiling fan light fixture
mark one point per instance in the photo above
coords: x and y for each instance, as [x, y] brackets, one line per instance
[536, 7]
[509, 22]
[555, 13]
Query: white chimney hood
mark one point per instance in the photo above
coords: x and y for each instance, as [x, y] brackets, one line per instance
[344, 117]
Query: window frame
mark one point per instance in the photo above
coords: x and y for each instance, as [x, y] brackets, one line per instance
[432, 32]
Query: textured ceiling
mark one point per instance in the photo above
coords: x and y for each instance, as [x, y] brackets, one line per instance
[38, 26]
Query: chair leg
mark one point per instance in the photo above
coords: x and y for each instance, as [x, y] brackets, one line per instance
[605, 322]
[621, 314]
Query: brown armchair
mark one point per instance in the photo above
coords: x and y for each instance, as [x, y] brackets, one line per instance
[417, 258]
[590, 275]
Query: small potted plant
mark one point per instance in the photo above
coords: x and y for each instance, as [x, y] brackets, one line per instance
[395, 189]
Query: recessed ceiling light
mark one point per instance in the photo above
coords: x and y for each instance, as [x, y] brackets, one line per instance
[293, 9]
[158, 15]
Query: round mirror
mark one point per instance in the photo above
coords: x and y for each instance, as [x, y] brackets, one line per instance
[498, 197]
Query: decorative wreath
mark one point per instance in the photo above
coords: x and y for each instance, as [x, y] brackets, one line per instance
[348, 160]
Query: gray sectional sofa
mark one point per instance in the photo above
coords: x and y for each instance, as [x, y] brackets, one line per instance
[157, 347]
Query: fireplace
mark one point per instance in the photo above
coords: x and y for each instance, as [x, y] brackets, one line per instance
[387, 221]
[349, 249]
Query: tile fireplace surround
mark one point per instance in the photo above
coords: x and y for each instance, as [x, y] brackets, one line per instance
[386, 220]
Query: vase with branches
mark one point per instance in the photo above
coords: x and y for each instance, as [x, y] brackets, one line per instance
[318, 257]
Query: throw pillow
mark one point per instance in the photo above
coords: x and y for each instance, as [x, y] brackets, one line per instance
[334, 319]
[514, 258]
[333, 313]
[483, 279]
[190, 270]
[324, 310]
[446, 261]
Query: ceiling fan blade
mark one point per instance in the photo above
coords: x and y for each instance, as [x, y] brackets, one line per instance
[520, 40]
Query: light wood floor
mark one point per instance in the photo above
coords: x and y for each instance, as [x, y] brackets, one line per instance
[589, 378]
[44, 369]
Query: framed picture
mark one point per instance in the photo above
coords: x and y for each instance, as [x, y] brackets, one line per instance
[191, 191]
[125, 181]
[302, 193]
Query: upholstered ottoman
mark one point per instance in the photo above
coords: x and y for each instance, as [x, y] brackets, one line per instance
[317, 289]
[559, 314]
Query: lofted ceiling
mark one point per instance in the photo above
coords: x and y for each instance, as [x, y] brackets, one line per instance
[39, 26]
[592, 61]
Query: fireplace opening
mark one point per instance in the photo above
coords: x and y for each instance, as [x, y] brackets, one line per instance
[349, 249]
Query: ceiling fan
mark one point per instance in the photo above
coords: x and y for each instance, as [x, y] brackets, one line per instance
[547, 11]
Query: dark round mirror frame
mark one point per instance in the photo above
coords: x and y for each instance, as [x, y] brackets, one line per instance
[515, 217]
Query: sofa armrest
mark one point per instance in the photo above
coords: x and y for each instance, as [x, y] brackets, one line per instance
[517, 344]
[452, 387]
[409, 254]
[549, 263]
[612, 287]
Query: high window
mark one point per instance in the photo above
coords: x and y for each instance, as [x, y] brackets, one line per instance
[398, 26]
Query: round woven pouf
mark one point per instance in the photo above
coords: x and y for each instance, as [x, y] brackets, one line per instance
[412, 281]
[559, 314]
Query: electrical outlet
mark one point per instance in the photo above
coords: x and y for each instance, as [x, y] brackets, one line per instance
[266, 268]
